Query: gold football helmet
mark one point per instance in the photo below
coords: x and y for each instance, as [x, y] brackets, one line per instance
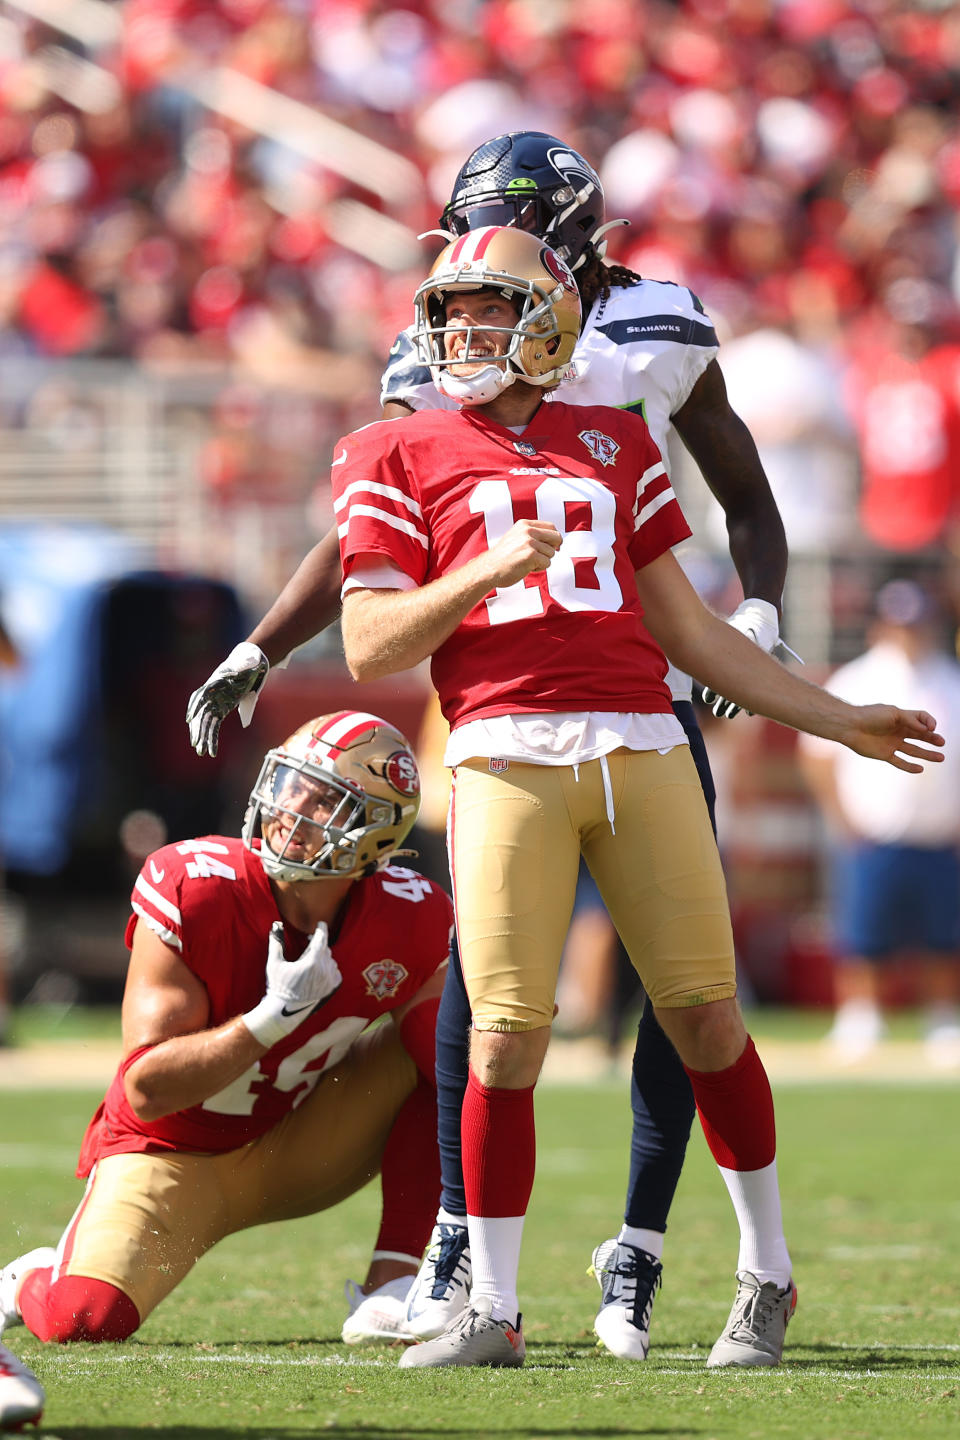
[520, 267]
[334, 800]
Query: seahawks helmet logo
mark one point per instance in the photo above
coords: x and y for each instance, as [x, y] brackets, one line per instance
[572, 168]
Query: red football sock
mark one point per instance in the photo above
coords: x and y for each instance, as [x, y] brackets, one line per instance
[75, 1308]
[410, 1176]
[499, 1149]
[736, 1112]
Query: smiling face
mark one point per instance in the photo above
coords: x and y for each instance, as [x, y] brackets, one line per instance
[480, 328]
[303, 805]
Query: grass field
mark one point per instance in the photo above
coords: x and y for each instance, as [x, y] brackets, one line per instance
[249, 1346]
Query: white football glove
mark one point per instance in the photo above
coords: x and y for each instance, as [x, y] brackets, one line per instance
[235, 683]
[759, 621]
[294, 988]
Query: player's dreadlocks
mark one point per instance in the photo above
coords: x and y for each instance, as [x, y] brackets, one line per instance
[595, 278]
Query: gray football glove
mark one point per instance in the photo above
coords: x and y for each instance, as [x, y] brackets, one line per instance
[234, 684]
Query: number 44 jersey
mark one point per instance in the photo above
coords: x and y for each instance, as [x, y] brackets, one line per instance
[428, 493]
[211, 902]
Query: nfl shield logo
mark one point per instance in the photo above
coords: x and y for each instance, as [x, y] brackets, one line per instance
[497, 766]
[523, 447]
[601, 446]
[384, 978]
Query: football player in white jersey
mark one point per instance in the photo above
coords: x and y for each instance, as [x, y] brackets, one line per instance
[646, 346]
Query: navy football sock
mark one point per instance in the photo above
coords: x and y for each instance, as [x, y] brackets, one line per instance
[453, 1044]
[663, 1111]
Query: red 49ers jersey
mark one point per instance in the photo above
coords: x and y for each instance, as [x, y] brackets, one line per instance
[211, 901]
[441, 487]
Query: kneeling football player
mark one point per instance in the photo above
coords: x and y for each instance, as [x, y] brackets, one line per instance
[252, 1087]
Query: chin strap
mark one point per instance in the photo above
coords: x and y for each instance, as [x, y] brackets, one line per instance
[477, 389]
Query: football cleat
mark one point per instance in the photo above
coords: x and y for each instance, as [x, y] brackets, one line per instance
[377, 1318]
[628, 1278]
[439, 1292]
[10, 1277]
[754, 1333]
[473, 1338]
[22, 1396]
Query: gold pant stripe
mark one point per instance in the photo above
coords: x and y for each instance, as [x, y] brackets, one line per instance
[516, 839]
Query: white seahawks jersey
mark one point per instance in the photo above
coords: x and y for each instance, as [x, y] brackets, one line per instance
[643, 348]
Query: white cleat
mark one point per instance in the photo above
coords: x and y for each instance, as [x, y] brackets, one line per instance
[754, 1333]
[440, 1291]
[22, 1396]
[377, 1318]
[473, 1338]
[628, 1277]
[10, 1277]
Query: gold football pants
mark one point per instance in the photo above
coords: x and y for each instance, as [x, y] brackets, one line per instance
[145, 1220]
[516, 838]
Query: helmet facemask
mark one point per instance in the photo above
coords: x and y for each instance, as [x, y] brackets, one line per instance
[539, 342]
[326, 813]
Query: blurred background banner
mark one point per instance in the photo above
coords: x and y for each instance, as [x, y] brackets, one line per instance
[209, 221]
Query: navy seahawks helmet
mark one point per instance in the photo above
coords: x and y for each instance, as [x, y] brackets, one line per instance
[534, 182]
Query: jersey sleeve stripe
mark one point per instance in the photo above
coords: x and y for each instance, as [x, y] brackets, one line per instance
[157, 901]
[371, 487]
[650, 474]
[651, 508]
[652, 483]
[170, 937]
[393, 521]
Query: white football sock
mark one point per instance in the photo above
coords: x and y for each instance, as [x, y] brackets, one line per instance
[495, 1256]
[756, 1199]
[649, 1240]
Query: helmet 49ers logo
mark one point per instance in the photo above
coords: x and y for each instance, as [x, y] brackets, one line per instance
[551, 262]
[384, 978]
[401, 772]
[602, 447]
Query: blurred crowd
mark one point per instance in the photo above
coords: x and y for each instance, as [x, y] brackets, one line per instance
[239, 184]
[230, 195]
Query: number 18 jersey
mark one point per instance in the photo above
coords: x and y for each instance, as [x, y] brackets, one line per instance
[431, 492]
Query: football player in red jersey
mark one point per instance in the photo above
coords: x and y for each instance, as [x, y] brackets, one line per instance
[649, 346]
[526, 550]
[251, 1088]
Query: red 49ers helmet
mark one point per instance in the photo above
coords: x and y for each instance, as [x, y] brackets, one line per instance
[334, 800]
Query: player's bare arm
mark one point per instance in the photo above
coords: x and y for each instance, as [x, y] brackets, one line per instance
[166, 1007]
[307, 604]
[389, 630]
[725, 451]
[705, 645]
